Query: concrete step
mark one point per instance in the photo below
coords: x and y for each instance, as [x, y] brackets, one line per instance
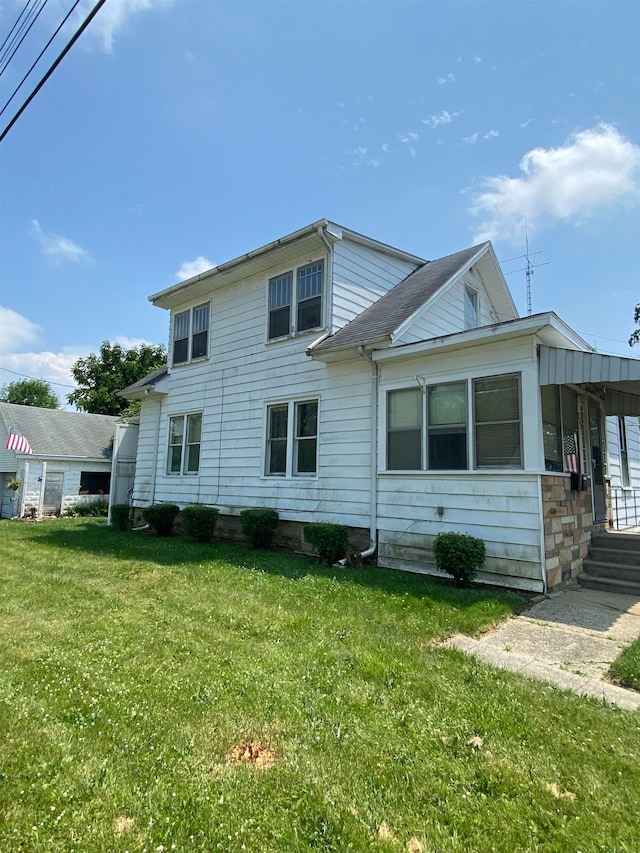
[623, 541]
[618, 556]
[610, 569]
[609, 584]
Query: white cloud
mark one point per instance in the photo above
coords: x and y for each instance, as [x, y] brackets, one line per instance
[526, 123]
[195, 267]
[477, 59]
[113, 17]
[57, 248]
[450, 78]
[445, 117]
[385, 147]
[16, 331]
[594, 171]
[492, 134]
[470, 140]
[410, 137]
[54, 367]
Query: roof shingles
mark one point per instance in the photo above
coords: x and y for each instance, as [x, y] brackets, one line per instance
[60, 433]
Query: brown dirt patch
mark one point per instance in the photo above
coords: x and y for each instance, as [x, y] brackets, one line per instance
[252, 752]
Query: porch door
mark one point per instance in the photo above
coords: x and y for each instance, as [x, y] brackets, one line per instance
[52, 493]
[597, 464]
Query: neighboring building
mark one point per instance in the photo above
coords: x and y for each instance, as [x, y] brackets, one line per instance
[623, 457]
[70, 463]
[335, 378]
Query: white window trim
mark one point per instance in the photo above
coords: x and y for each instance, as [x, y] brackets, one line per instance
[190, 311]
[293, 305]
[471, 291]
[183, 455]
[290, 466]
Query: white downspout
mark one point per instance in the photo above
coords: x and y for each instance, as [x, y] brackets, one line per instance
[41, 500]
[157, 455]
[23, 489]
[373, 464]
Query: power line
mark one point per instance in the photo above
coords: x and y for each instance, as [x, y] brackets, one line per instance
[44, 49]
[53, 67]
[17, 21]
[24, 32]
[37, 378]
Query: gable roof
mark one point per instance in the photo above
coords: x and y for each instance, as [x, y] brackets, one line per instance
[60, 433]
[381, 319]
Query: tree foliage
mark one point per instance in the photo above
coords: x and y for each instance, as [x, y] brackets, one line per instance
[635, 336]
[100, 376]
[30, 392]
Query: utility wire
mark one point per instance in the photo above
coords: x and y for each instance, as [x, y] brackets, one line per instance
[24, 9]
[26, 376]
[57, 62]
[24, 33]
[44, 49]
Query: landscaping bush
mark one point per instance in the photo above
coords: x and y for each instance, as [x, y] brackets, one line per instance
[330, 541]
[200, 522]
[120, 516]
[89, 509]
[460, 555]
[259, 526]
[161, 517]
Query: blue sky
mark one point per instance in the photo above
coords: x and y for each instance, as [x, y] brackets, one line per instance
[176, 135]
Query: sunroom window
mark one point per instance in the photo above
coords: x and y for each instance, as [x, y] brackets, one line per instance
[497, 422]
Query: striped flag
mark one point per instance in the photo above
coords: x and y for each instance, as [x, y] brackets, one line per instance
[570, 450]
[16, 441]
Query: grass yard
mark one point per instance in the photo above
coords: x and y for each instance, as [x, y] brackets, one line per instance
[625, 669]
[160, 695]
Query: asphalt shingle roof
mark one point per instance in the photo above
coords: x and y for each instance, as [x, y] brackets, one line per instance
[57, 432]
[390, 311]
[146, 381]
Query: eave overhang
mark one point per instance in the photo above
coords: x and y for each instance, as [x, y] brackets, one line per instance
[618, 378]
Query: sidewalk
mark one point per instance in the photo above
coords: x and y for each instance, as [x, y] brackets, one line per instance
[569, 639]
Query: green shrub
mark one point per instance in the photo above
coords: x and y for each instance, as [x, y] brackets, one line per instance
[120, 516]
[161, 517]
[89, 509]
[200, 522]
[460, 555]
[330, 541]
[259, 526]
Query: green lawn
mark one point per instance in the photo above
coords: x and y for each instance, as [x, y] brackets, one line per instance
[137, 674]
[625, 669]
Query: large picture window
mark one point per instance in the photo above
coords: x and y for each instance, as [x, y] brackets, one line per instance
[191, 334]
[295, 301]
[297, 457]
[430, 431]
[185, 436]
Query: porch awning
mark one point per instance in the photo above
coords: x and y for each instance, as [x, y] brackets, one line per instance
[618, 377]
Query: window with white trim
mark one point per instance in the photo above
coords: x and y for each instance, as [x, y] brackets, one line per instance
[429, 430]
[295, 301]
[292, 439]
[470, 308]
[191, 334]
[185, 436]
[624, 453]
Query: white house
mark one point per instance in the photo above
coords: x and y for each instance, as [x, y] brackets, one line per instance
[623, 446]
[70, 462]
[335, 378]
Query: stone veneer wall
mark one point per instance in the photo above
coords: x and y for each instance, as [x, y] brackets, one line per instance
[568, 524]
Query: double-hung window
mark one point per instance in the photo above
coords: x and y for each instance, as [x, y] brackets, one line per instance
[185, 435]
[191, 334]
[292, 439]
[295, 301]
[429, 429]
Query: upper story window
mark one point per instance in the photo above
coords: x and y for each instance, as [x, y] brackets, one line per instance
[185, 434]
[430, 431]
[295, 301]
[470, 308]
[191, 334]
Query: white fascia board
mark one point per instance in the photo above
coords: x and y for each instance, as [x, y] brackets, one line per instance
[502, 279]
[521, 327]
[330, 229]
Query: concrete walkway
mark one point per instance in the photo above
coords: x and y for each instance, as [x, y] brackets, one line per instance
[568, 639]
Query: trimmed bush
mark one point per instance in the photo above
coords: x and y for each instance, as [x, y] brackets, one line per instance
[330, 541]
[200, 522]
[259, 526]
[89, 509]
[459, 555]
[161, 517]
[120, 516]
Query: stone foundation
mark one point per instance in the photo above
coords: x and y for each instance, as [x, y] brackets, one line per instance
[568, 525]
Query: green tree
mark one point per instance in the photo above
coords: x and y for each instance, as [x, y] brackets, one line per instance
[30, 392]
[100, 376]
[635, 336]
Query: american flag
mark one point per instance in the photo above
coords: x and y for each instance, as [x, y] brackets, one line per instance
[16, 441]
[570, 450]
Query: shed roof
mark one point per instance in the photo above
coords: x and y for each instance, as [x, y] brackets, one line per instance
[60, 433]
[382, 318]
[147, 382]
